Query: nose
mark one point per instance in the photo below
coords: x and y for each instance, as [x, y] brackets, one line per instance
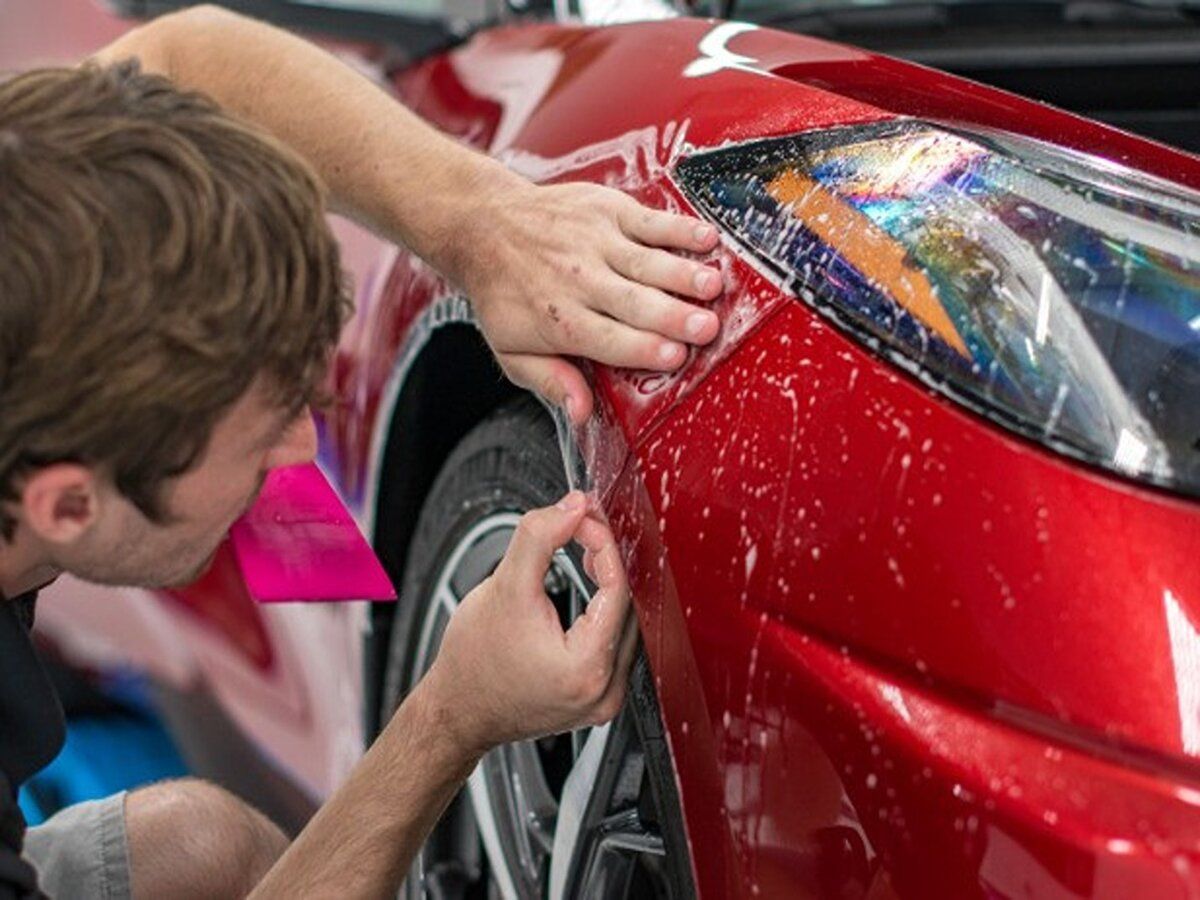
[297, 445]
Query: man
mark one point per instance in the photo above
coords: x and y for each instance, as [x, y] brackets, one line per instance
[169, 297]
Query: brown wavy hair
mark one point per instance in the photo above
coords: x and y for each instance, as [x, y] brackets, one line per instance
[156, 257]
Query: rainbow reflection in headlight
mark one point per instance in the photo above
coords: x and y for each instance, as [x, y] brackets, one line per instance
[1058, 292]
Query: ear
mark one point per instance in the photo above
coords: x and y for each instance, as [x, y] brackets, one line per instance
[60, 502]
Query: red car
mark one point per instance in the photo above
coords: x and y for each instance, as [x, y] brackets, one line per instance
[915, 544]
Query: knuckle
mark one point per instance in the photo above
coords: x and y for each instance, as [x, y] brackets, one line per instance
[618, 200]
[575, 689]
[555, 328]
[607, 711]
[600, 194]
[685, 274]
[630, 299]
[529, 527]
[604, 331]
[548, 387]
[649, 351]
[636, 265]
[588, 686]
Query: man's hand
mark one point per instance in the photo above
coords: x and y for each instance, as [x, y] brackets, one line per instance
[556, 271]
[506, 670]
[582, 270]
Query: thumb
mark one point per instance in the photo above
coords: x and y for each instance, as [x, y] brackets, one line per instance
[539, 534]
[555, 379]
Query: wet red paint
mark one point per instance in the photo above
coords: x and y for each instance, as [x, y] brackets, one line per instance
[901, 619]
[220, 599]
[899, 652]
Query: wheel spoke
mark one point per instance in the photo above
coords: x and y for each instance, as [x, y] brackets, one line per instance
[447, 600]
[625, 832]
[478, 559]
[572, 809]
[448, 880]
[535, 804]
[592, 842]
[443, 607]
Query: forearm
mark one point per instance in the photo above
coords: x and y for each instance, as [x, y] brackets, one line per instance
[363, 840]
[383, 165]
[552, 271]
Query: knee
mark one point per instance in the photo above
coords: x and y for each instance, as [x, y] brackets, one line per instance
[189, 838]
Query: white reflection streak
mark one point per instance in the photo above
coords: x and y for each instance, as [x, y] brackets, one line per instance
[715, 56]
[1028, 280]
[1185, 657]
[1163, 238]
[891, 694]
[1194, 324]
[1131, 451]
[518, 83]
[1043, 313]
[613, 12]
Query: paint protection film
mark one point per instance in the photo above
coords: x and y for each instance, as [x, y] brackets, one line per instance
[1056, 292]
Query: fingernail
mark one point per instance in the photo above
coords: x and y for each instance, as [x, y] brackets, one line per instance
[704, 232]
[572, 501]
[668, 352]
[696, 323]
[704, 280]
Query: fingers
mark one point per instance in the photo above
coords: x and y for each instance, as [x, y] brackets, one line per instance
[651, 310]
[601, 552]
[602, 642]
[660, 269]
[538, 535]
[614, 343]
[589, 565]
[554, 379]
[600, 627]
[614, 695]
[664, 229]
[576, 328]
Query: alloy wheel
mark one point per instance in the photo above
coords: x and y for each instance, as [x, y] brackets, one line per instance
[569, 815]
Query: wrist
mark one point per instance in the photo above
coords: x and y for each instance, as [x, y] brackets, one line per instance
[455, 728]
[472, 220]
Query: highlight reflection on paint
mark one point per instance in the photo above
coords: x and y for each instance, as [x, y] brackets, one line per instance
[1054, 290]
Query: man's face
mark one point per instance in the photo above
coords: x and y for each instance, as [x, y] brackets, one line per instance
[125, 548]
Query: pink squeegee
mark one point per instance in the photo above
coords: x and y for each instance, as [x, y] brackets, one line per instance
[299, 542]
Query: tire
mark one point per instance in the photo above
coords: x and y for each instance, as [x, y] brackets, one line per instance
[497, 840]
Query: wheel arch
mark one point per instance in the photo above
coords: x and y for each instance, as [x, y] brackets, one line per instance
[445, 382]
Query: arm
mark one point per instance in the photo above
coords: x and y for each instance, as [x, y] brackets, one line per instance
[565, 269]
[505, 671]
[362, 841]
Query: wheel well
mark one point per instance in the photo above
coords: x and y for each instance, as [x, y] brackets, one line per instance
[452, 386]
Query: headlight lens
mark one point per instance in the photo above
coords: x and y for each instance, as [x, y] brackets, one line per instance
[1057, 292]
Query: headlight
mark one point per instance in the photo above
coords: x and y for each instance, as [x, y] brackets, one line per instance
[1056, 292]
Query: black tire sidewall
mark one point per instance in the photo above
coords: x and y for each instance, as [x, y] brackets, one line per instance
[510, 462]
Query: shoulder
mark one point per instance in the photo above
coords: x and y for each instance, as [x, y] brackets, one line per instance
[34, 729]
[23, 607]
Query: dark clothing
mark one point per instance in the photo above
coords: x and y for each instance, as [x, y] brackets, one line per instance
[32, 731]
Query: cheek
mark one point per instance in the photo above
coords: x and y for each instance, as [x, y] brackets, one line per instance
[215, 502]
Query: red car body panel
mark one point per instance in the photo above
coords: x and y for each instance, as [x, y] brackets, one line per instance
[899, 651]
